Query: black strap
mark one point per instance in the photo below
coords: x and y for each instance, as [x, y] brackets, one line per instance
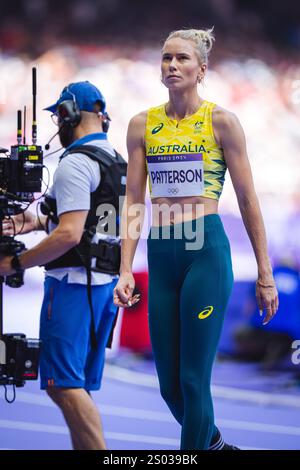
[90, 151]
[87, 264]
[89, 293]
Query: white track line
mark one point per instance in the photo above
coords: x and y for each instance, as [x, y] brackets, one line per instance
[229, 393]
[136, 413]
[259, 427]
[142, 438]
[142, 414]
[46, 428]
[253, 448]
[37, 427]
[124, 437]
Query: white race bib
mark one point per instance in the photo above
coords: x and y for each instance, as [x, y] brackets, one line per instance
[176, 175]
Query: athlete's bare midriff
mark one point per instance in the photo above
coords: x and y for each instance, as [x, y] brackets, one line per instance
[170, 211]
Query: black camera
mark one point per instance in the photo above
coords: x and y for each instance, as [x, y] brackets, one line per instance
[21, 174]
[10, 246]
[19, 359]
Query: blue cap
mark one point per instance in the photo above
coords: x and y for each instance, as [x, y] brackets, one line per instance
[86, 96]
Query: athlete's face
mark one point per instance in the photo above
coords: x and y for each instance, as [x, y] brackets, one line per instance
[180, 66]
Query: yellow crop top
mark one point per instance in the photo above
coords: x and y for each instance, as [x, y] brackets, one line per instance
[183, 158]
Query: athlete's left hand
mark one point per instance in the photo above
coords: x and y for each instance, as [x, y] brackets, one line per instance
[267, 298]
[5, 266]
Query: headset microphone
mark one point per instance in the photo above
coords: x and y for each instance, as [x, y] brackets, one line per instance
[47, 146]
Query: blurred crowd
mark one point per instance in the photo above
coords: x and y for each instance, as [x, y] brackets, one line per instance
[55, 22]
[253, 71]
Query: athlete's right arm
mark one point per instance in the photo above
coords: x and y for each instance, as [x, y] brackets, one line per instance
[132, 214]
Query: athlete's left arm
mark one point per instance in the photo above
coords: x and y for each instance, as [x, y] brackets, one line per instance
[65, 236]
[230, 136]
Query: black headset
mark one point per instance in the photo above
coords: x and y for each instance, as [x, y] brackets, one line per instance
[69, 113]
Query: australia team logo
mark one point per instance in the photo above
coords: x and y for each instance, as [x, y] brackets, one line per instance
[158, 128]
[206, 312]
[198, 127]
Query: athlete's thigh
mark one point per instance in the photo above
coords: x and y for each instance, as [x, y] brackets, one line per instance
[164, 326]
[163, 313]
[204, 297]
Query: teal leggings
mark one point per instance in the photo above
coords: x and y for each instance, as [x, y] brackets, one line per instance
[188, 294]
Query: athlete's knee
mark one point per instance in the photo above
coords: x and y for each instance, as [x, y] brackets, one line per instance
[174, 400]
[197, 387]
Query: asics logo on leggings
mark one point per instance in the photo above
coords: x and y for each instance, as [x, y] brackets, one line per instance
[206, 312]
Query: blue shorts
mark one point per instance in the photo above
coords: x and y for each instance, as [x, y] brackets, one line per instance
[67, 359]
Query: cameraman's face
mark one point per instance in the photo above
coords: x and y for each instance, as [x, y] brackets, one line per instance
[66, 134]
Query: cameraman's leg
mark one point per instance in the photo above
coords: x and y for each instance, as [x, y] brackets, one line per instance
[66, 351]
[81, 415]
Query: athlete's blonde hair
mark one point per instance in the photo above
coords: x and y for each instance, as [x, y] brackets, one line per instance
[203, 38]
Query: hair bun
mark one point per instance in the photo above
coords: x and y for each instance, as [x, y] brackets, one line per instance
[203, 38]
[206, 37]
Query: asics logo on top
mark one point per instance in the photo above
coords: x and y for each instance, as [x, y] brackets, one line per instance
[158, 128]
[206, 312]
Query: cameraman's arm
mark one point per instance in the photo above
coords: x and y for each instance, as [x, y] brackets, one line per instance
[76, 177]
[41, 223]
[65, 236]
[74, 183]
[23, 223]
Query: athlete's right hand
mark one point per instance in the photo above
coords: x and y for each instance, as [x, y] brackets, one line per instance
[123, 291]
[21, 223]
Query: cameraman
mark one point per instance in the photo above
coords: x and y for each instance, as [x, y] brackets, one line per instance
[70, 365]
